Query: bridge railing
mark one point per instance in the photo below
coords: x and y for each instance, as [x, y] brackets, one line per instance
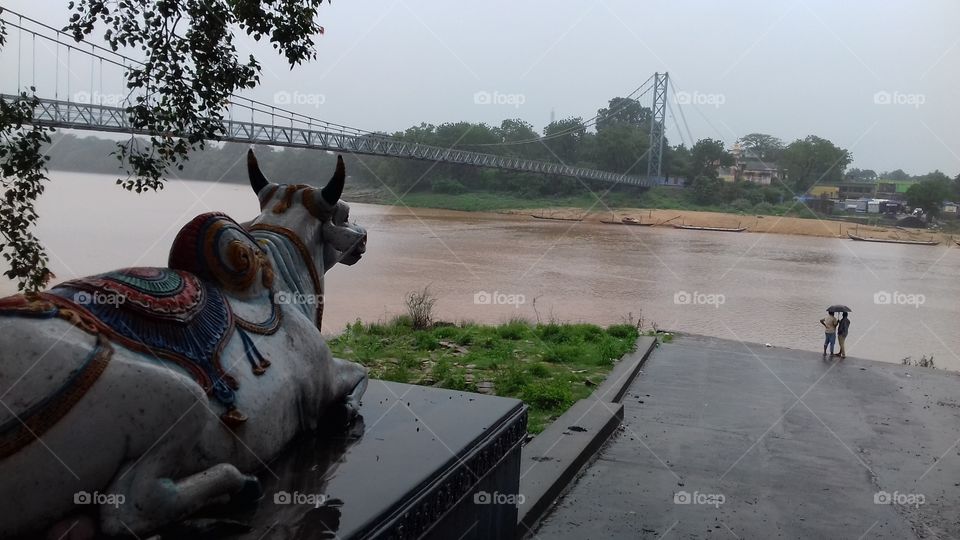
[107, 118]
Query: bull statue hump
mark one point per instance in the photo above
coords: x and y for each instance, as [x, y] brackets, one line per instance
[155, 392]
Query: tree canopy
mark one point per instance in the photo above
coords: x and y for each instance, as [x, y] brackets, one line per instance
[763, 146]
[813, 160]
[929, 194]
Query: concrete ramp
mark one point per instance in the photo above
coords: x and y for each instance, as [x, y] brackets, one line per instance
[728, 440]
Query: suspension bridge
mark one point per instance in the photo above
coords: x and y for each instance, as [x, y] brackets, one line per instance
[83, 107]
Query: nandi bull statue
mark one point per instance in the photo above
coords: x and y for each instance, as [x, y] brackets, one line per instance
[154, 392]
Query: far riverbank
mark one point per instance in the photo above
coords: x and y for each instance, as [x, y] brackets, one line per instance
[826, 228]
[792, 220]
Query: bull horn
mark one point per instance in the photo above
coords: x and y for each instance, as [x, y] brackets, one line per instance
[334, 189]
[257, 180]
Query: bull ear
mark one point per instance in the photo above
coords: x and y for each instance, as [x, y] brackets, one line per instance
[257, 180]
[334, 188]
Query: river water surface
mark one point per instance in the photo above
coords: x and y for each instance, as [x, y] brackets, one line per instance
[488, 267]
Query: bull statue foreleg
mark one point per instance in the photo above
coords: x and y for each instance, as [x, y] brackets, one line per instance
[154, 491]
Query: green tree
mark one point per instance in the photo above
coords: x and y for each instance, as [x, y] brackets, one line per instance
[812, 161]
[621, 148]
[707, 155]
[929, 195]
[935, 176]
[858, 175]
[422, 134]
[23, 170]
[623, 111]
[514, 131]
[191, 67]
[563, 138]
[897, 175]
[706, 189]
[677, 161]
[766, 147]
[456, 134]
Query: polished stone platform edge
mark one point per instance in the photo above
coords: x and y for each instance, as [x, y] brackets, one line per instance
[555, 457]
[491, 463]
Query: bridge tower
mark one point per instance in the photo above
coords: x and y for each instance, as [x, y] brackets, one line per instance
[657, 123]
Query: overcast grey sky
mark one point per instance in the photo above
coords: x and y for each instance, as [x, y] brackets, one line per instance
[877, 77]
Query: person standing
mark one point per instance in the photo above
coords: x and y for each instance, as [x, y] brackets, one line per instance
[842, 329]
[830, 332]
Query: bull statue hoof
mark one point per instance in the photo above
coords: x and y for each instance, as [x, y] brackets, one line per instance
[157, 392]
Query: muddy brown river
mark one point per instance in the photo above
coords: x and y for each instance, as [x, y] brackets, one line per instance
[489, 267]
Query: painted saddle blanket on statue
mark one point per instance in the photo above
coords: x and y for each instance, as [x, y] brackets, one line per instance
[160, 312]
[218, 249]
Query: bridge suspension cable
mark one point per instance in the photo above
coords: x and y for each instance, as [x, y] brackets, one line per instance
[245, 119]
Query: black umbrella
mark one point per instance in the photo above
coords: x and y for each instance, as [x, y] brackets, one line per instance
[839, 308]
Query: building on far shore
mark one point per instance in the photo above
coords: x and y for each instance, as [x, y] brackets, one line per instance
[949, 209]
[856, 189]
[894, 189]
[748, 167]
[824, 190]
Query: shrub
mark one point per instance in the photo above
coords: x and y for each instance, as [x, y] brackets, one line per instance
[741, 205]
[420, 308]
[562, 354]
[804, 212]
[763, 208]
[465, 336]
[425, 341]
[446, 332]
[448, 186]
[549, 332]
[516, 329]
[511, 380]
[623, 331]
[771, 195]
[539, 371]
[441, 370]
[457, 381]
[550, 395]
[396, 374]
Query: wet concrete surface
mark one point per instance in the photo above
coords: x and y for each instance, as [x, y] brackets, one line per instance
[729, 440]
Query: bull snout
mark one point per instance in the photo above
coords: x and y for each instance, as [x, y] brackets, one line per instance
[362, 245]
[358, 246]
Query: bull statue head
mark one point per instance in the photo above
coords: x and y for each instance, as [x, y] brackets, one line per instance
[317, 216]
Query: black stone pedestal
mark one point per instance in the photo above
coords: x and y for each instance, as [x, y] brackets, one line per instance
[429, 463]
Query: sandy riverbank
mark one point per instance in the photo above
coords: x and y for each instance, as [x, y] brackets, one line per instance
[753, 223]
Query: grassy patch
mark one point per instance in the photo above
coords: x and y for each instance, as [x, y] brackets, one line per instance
[665, 198]
[549, 366]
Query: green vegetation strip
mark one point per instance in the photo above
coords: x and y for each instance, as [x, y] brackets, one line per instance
[749, 200]
[549, 366]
